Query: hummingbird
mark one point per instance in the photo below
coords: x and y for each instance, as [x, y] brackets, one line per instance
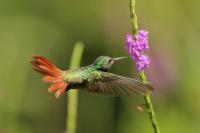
[93, 78]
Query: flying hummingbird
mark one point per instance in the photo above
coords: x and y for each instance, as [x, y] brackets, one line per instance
[93, 78]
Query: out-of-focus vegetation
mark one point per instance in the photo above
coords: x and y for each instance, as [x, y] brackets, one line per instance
[72, 96]
[50, 28]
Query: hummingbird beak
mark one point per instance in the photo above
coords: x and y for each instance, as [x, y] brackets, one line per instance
[119, 58]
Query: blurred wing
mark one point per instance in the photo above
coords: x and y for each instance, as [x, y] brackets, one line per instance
[115, 85]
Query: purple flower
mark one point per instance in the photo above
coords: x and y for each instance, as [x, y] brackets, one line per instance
[143, 62]
[136, 46]
[142, 38]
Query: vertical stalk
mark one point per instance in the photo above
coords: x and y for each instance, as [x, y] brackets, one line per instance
[133, 18]
[72, 99]
[143, 78]
[149, 106]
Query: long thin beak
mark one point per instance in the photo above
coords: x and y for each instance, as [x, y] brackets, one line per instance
[119, 58]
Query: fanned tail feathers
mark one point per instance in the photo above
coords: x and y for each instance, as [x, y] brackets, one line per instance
[51, 74]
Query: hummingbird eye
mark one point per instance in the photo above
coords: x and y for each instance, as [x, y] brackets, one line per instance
[109, 60]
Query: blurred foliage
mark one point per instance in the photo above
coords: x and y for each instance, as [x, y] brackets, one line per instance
[50, 28]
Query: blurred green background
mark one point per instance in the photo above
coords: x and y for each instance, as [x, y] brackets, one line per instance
[51, 28]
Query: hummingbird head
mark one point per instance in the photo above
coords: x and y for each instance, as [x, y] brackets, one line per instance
[105, 62]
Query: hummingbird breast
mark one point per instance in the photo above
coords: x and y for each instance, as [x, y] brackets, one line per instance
[72, 76]
[77, 76]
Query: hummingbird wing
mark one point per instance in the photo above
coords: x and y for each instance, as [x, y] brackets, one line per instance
[115, 85]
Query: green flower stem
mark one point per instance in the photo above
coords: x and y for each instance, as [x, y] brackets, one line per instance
[149, 106]
[143, 78]
[72, 98]
[133, 18]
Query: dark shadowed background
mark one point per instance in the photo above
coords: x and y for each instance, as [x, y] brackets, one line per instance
[51, 28]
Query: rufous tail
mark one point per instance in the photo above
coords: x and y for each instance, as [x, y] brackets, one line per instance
[51, 74]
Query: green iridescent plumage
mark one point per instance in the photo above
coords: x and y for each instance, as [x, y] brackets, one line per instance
[95, 78]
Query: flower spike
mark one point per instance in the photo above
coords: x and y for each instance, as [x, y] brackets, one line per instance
[136, 46]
